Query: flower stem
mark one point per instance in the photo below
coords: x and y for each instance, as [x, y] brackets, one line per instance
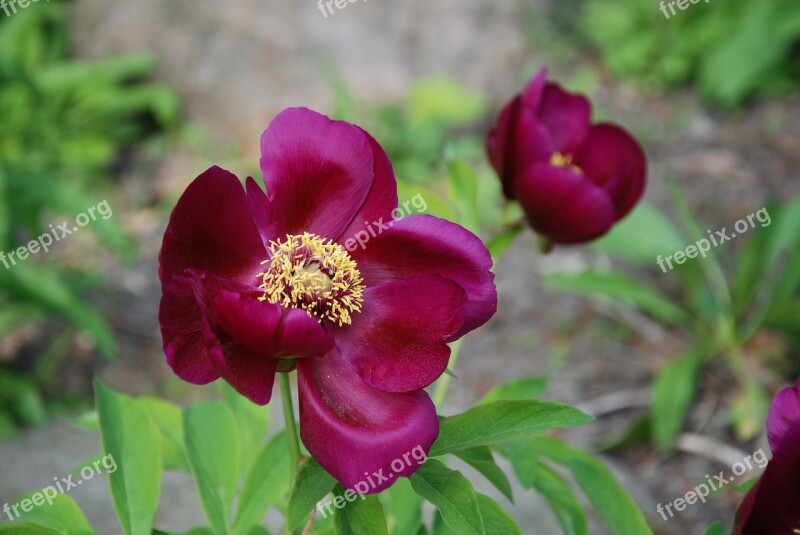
[444, 381]
[291, 426]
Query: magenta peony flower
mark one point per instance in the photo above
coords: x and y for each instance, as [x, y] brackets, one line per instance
[255, 284]
[772, 507]
[574, 179]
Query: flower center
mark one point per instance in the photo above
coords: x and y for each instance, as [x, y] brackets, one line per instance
[309, 272]
[559, 159]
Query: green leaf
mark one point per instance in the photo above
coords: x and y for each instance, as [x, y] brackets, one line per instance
[524, 461]
[717, 529]
[501, 242]
[169, 421]
[432, 204]
[363, 516]
[463, 184]
[481, 459]
[47, 289]
[402, 507]
[614, 505]
[442, 101]
[253, 422]
[749, 411]
[453, 496]
[673, 392]
[519, 389]
[618, 288]
[503, 421]
[311, 485]
[266, 485]
[632, 238]
[212, 445]
[132, 440]
[558, 493]
[28, 529]
[62, 517]
[495, 518]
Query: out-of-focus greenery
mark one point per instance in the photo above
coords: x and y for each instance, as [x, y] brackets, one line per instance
[64, 125]
[435, 148]
[720, 307]
[733, 49]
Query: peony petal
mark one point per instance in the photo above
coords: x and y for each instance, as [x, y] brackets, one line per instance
[531, 143]
[261, 209]
[613, 159]
[318, 172]
[425, 245]
[783, 414]
[356, 431]
[499, 148]
[566, 116]
[211, 229]
[770, 507]
[534, 92]
[244, 369]
[268, 330]
[382, 198]
[181, 322]
[398, 342]
[563, 205]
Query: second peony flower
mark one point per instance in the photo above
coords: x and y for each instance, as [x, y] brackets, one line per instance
[574, 179]
[256, 283]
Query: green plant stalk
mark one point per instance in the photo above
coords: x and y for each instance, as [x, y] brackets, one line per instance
[291, 426]
[440, 393]
[715, 276]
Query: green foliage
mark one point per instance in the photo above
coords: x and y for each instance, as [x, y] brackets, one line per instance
[732, 50]
[146, 436]
[719, 306]
[214, 463]
[132, 439]
[65, 123]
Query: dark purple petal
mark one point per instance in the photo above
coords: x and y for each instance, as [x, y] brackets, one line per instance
[268, 330]
[563, 205]
[771, 507]
[181, 322]
[613, 159]
[244, 369]
[355, 430]
[318, 172]
[518, 140]
[566, 116]
[783, 414]
[261, 208]
[426, 245]
[211, 229]
[534, 92]
[497, 145]
[398, 343]
[382, 198]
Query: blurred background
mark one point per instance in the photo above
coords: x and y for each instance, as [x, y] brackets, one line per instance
[127, 102]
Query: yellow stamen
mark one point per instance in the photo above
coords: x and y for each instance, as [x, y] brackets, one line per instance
[560, 159]
[309, 272]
